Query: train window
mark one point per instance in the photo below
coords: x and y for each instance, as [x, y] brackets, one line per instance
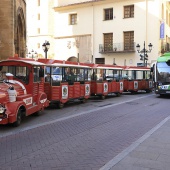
[36, 74]
[47, 70]
[56, 73]
[80, 74]
[88, 73]
[11, 69]
[100, 74]
[113, 75]
[3, 72]
[22, 74]
[19, 72]
[139, 75]
[109, 75]
[94, 75]
[70, 74]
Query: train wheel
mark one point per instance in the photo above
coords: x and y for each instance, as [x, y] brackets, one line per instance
[118, 94]
[60, 105]
[148, 91]
[19, 118]
[133, 92]
[83, 100]
[103, 97]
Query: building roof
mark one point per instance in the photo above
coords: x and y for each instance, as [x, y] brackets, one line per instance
[80, 4]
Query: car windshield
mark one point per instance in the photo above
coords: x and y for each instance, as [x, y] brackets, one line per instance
[163, 72]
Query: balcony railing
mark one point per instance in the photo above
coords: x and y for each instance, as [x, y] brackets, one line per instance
[117, 48]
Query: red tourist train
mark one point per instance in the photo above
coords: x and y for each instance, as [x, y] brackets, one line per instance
[21, 89]
[28, 86]
[136, 79]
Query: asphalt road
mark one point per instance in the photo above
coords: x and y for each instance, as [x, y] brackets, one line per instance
[80, 136]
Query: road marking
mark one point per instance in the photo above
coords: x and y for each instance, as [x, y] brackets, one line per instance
[133, 146]
[69, 117]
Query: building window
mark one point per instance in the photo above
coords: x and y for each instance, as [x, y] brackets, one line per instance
[38, 2]
[73, 19]
[38, 30]
[129, 40]
[129, 11]
[38, 16]
[99, 60]
[108, 42]
[38, 45]
[108, 14]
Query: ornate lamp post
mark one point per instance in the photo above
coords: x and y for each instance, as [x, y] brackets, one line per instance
[32, 54]
[144, 51]
[46, 47]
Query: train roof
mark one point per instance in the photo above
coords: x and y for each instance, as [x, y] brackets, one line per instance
[68, 65]
[27, 61]
[136, 68]
[107, 66]
[110, 68]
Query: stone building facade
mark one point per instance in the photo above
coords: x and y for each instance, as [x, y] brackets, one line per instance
[100, 31]
[12, 28]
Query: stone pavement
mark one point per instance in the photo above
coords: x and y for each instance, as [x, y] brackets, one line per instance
[150, 152]
[99, 140]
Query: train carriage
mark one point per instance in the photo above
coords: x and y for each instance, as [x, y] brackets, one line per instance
[136, 79]
[106, 79]
[69, 81]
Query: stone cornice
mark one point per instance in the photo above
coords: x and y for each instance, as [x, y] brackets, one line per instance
[77, 5]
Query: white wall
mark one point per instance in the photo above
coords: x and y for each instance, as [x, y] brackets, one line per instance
[90, 25]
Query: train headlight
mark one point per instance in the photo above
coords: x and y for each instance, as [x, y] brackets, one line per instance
[2, 109]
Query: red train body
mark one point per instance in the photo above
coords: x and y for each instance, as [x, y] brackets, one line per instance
[21, 89]
[31, 85]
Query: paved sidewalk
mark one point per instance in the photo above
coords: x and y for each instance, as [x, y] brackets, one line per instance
[150, 152]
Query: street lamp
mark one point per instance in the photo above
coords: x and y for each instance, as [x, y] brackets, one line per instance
[46, 47]
[32, 54]
[144, 51]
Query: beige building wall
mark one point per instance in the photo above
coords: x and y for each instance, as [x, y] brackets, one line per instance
[83, 39]
[13, 28]
[74, 40]
[40, 25]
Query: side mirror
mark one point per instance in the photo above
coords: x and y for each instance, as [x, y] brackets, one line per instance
[151, 69]
[41, 72]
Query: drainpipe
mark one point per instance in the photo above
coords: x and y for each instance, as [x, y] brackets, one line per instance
[93, 34]
[146, 1]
